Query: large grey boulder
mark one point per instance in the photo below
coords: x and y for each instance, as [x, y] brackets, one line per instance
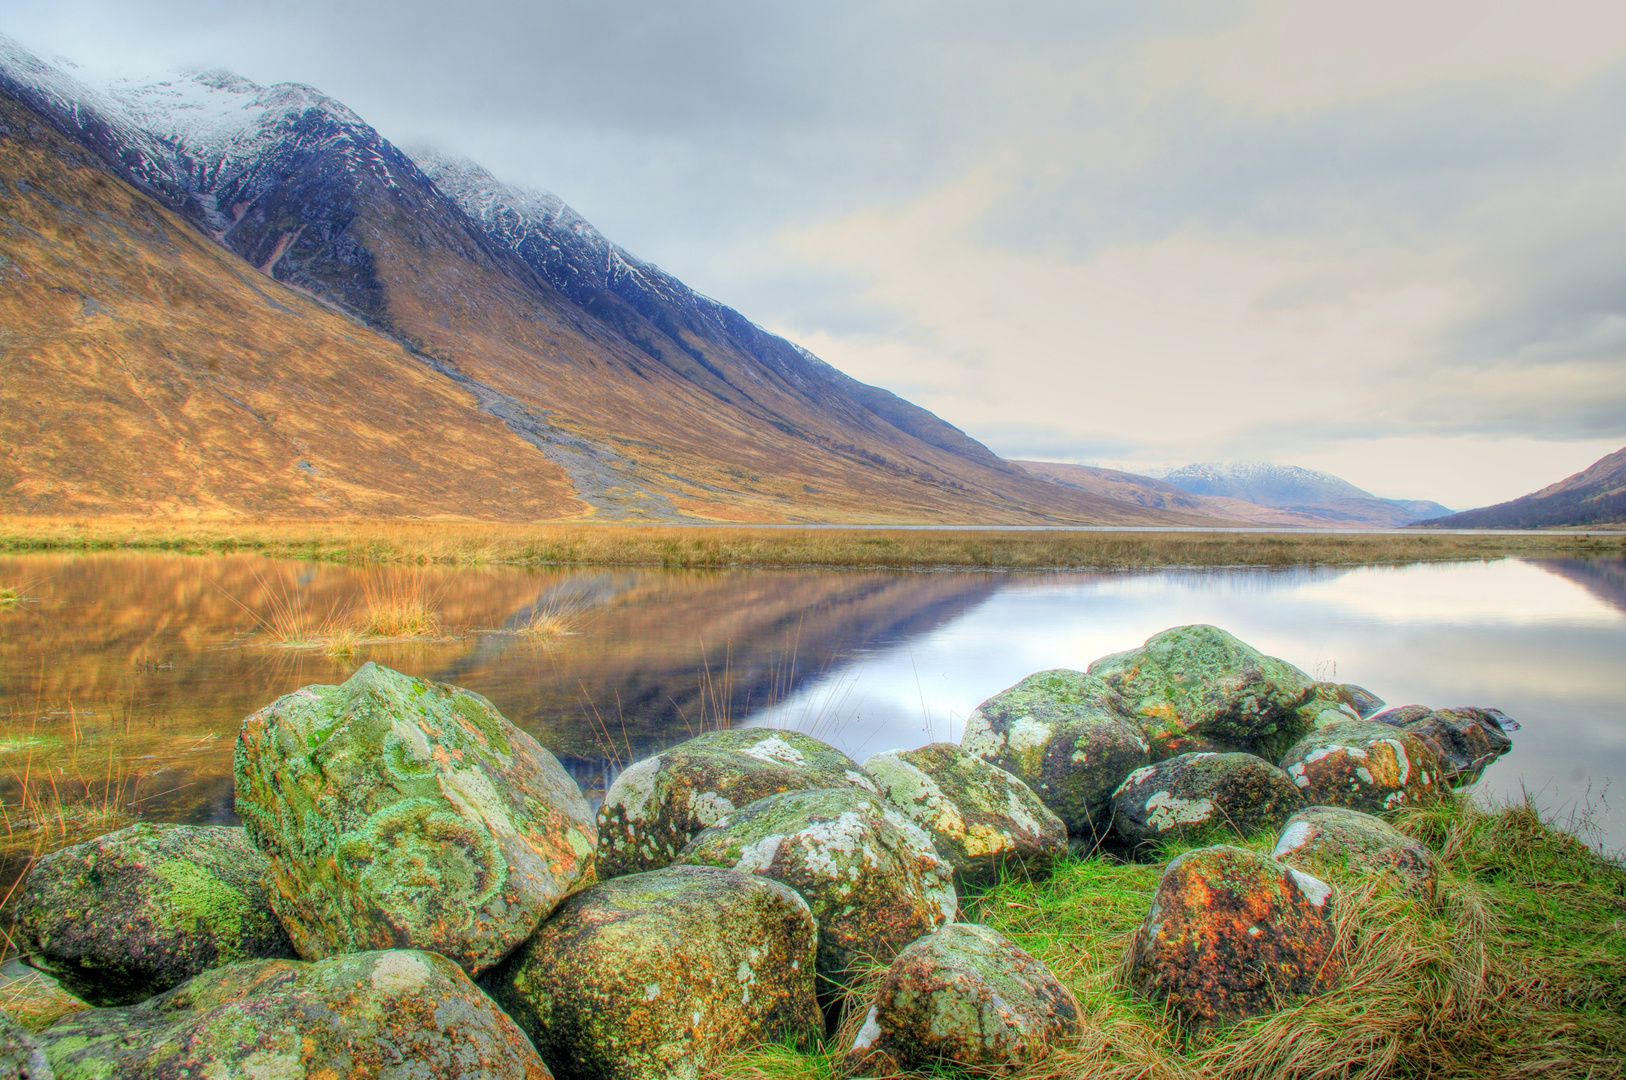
[1204, 794]
[20, 1055]
[1364, 766]
[1465, 740]
[131, 914]
[398, 812]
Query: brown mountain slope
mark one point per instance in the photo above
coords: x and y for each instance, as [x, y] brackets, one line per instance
[1594, 496]
[144, 368]
[1145, 491]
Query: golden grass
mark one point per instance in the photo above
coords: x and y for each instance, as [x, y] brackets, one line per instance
[9, 596]
[397, 606]
[473, 543]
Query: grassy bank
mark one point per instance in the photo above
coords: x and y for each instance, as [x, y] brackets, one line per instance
[476, 543]
[1517, 970]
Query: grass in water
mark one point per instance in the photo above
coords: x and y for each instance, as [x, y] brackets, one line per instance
[1518, 969]
[9, 596]
[398, 606]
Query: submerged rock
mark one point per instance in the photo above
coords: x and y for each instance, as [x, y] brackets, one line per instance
[1068, 736]
[395, 811]
[871, 877]
[1464, 740]
[966, 995]
[130, 914]
[1199, 688]
[1204, 794]
[1333, 836]
[1233, 934]
[656, 806]
[20, 1055]
[664, 974]
[1363, 765]
[980, 817]
[33, 998]
[362, 1016]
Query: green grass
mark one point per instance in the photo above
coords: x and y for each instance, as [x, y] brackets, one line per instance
[1518, 969]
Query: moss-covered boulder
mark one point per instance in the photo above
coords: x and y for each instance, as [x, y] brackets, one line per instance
[664, 974]
[1464, 740]
[1363, 765]
[1199, 688]
[363, 1016]
[980, 817]
[656, 806]
[1197, 795]
[964, 995]
[871, 876]
[21, 1057]
[397, 812]
[1318, 838]
[1233, 934]
[1360, 701]
[1068, 736]
[127, 915]
[33, 998]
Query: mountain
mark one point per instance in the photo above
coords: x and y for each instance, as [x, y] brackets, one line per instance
[1304, 491]
[334, 272]
[1594, 496]
[1149, 492]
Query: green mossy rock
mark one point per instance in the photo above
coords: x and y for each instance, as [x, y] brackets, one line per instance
[1363, 765]
[980, 817]
[21, 1057]
[398, 812]
[1320, 837]
[1199, 688]
[1362, 702]
[32, 998]
[664, 974]
[130, 914]
[1233, 934]
[656, 806]
[964, 995]
[363, 1016]
[1197, 795]
[1464, 740]
[1066, 735]
[870, 875]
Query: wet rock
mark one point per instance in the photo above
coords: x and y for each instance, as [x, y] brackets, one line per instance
[1199, 688]
[869, 874]
[398, 812]
[1319, 837]
[127, 915]
[362, 1016]
[1363, 765]
[20, 1055]
[980, 817]
[1068, 736]
[664, 974]
[1465, 740]
[656, 806]
[1360, 701]
[32, 998]
[1233, 934]
[1205, 794]
[967, 995]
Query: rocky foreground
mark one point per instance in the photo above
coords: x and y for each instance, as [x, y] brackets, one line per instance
[419, 890]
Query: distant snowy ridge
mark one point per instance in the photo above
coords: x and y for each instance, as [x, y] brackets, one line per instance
[1289, 487]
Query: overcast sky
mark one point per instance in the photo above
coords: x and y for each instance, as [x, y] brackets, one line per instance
[1381, 239]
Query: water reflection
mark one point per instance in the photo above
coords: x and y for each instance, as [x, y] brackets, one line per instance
[143, 666]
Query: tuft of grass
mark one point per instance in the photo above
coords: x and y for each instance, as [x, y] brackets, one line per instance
[551, 618]
[396, 606]
[10, 596]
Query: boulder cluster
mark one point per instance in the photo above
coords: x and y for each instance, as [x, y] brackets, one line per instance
[420, 889]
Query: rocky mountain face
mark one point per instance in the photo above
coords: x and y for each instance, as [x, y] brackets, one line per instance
[1594, 496]
[1303, 491]
[644, 398]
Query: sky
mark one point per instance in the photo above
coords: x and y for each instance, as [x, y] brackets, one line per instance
[1382, 240]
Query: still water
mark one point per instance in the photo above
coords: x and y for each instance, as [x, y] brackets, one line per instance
[136, 670]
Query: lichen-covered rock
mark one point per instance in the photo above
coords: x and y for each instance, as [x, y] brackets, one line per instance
[397, 812]
[870, 875]
[1199, 688]
[1196, 795]
[967, 995]
[33, 998]
[980, 817]
[1364, 766]
[21, 1057]
[1233, 934]
[1334, 836]
[656, 806]
[1068, 736]
[664, 974]
[127, 915]
[363, 1016]
[1464, 740]
[1361, 702]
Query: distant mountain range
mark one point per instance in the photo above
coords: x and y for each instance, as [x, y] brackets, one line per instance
[1594, 496]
